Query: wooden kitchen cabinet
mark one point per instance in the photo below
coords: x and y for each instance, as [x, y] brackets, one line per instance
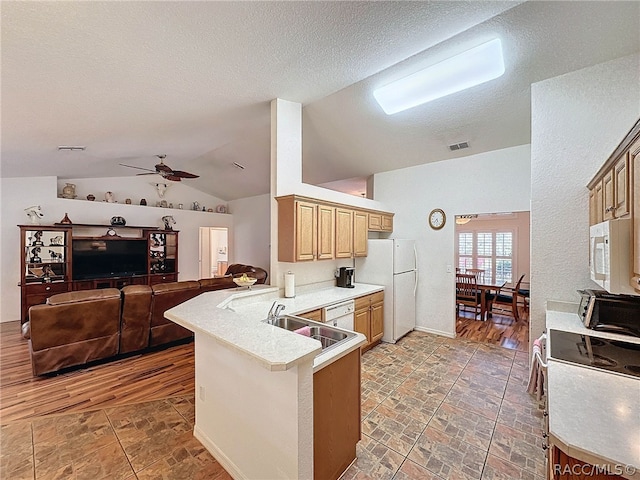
[369, 318]
[614, 192]
[326, 232]
[310, 229]
[297, 230]
[315, 315]
[344, 233]
[360, 233]
[565, 467]
[380, 222]
[634, 165]
[336, 416]
[597, 204]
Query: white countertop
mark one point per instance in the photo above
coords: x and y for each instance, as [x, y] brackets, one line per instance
[234, 318]
[594, 415]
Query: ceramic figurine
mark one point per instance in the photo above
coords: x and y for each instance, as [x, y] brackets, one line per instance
[108, 196]
[69, 191]
[168, 222]
[37, 238]
[35, 255]
[143, 201]
[91, 197]
[128, 201]
[34, 213]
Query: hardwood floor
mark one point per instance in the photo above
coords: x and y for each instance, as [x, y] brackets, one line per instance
[139, 378]
[498, 330]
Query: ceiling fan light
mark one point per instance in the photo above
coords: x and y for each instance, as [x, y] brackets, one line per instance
[465, 70]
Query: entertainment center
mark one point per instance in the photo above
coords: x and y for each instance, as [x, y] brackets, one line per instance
[67, 257]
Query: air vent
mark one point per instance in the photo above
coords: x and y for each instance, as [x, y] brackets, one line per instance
[71, 148]
[237, 165]
[458, 146]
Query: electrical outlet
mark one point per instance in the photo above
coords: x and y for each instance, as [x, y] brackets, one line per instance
[201, 393]
[449, 268]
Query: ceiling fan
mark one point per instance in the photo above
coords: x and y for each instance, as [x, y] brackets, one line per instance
[164, 170]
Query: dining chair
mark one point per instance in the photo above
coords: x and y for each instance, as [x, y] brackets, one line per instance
[467, 293]
[506, 300]
[478, 272]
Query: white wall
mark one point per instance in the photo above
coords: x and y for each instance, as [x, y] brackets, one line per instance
[251, 231]
[496, 181]
[286, 179]
[19, 193]
[577, 121]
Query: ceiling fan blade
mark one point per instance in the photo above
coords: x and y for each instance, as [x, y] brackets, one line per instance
[181, 174]
[161, 167]
[149, 173]
[171, 177]
[139, 168]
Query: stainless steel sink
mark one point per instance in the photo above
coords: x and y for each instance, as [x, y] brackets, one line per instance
[327, 335]
[288, 322]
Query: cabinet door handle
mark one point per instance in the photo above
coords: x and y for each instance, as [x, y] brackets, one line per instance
[48, 288]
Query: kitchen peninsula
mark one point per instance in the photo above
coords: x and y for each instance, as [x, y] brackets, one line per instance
[255, 382]
[593, 414]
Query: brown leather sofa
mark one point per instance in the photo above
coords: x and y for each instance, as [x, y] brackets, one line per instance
[75, 328]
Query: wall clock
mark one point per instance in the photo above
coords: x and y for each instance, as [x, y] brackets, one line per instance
[437, 218]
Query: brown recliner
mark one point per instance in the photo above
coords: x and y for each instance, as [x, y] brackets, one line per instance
[74, 328]
[166, 296]
[136, 318]
[237, 269]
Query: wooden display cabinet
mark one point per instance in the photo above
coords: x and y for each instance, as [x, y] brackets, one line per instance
[46, 264]
[163, 256]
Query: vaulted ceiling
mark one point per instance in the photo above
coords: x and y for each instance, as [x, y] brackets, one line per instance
[194, 80]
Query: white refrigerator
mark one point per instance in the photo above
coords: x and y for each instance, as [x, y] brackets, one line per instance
[393, 263]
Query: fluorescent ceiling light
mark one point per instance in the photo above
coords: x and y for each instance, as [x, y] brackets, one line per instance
[465, 70]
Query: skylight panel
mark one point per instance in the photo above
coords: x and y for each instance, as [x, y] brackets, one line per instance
[465, 70]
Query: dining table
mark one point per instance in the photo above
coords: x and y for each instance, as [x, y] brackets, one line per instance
[486, 288]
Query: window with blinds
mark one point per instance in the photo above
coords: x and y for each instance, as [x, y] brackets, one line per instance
[489, 251]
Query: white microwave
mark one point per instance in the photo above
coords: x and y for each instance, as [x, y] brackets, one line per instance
[609, 255]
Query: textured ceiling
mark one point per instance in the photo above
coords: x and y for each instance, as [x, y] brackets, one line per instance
[193, 80]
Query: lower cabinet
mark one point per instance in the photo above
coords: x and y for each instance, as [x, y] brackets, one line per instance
[37, 293]
[315, 315]
[565, 467]
[369, 318]
[336, 416]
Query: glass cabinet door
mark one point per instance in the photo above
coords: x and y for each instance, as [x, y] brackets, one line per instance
[162, 252]
[45, 253]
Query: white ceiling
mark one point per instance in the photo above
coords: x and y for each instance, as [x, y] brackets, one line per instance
[193, 80]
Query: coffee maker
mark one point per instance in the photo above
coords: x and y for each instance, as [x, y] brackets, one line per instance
[344, 277]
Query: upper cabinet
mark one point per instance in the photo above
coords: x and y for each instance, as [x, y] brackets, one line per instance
[310, 229]
[634, 165]
[614, 192]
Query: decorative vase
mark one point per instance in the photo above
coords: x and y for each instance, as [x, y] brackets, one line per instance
[66, 219]
[118, 221]
[143, 201]
[69, 191]
[108, 196]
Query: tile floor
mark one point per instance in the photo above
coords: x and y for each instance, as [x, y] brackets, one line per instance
[432, 407]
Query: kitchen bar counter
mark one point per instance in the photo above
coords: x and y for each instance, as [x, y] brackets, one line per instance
[594, 415]
[234, 317]
[254, 382]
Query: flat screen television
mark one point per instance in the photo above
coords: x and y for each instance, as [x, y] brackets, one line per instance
[109, 258]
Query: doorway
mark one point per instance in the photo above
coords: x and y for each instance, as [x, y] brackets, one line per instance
[495, 248]
[214, 251]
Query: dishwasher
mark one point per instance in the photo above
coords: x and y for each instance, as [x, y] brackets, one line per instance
[340, 314]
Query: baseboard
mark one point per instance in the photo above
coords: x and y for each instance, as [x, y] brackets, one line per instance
[435, 332]
[222, 459]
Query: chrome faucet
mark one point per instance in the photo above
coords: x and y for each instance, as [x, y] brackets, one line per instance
[274, 311]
